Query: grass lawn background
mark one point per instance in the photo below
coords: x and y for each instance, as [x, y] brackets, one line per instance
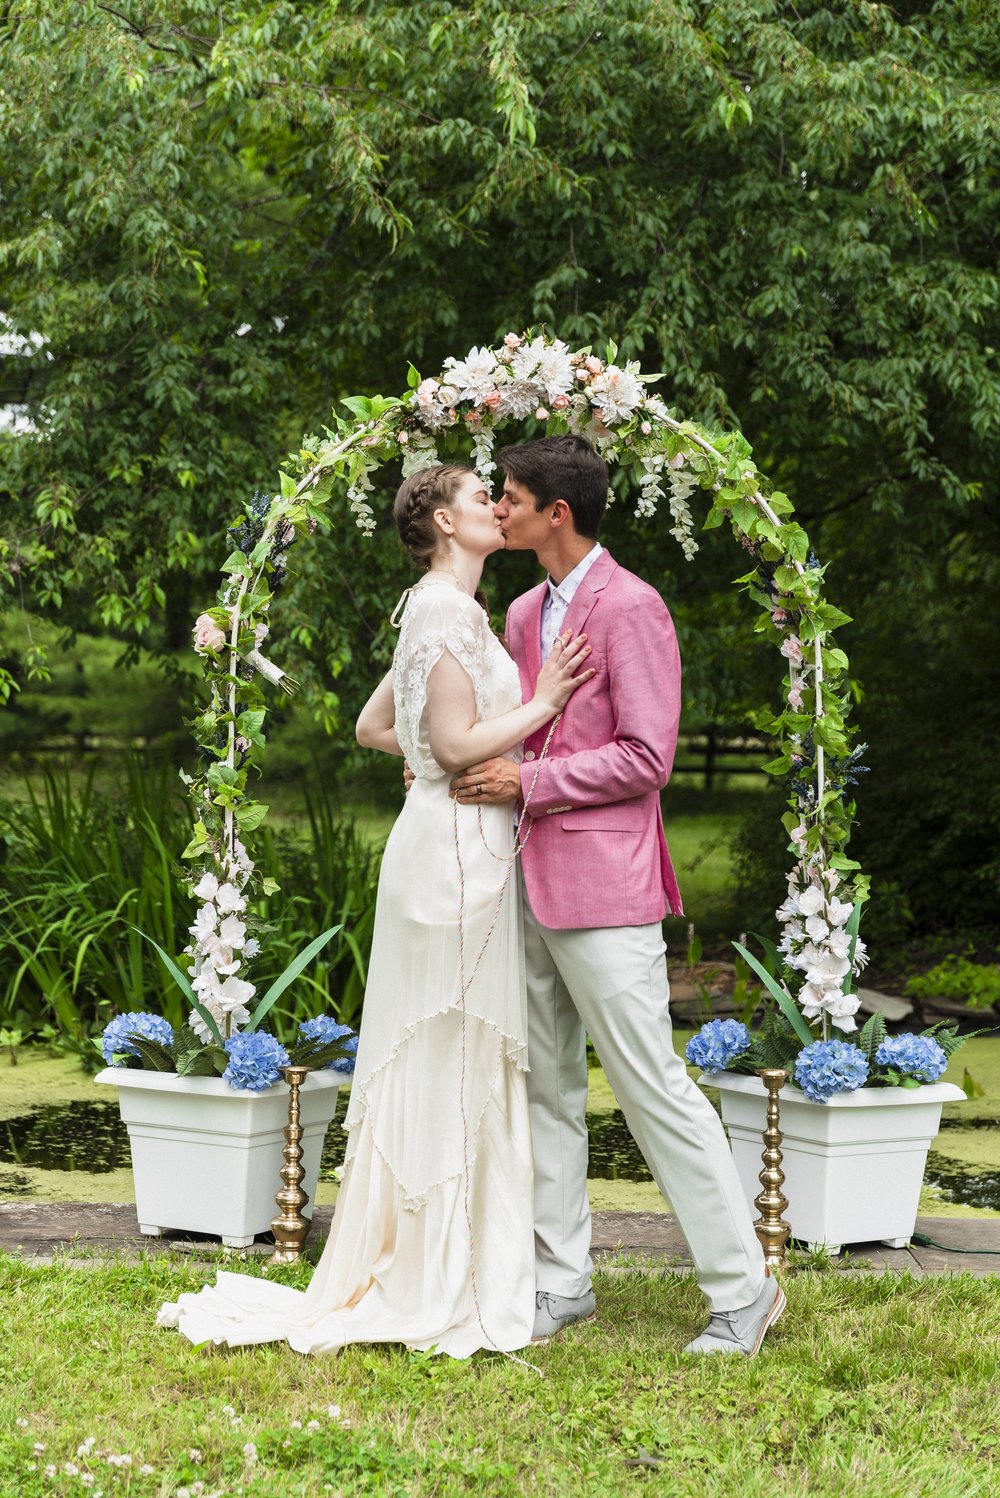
[872, 1385]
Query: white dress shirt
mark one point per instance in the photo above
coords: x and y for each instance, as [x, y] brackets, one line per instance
[559, 598]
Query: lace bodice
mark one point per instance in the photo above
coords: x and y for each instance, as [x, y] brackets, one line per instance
[439, 617]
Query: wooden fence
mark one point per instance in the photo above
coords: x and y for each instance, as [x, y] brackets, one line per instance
[710, 753]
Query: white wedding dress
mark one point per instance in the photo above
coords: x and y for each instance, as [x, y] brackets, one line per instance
[432, 1238]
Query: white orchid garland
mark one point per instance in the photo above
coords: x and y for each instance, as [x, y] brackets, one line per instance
[459, 412]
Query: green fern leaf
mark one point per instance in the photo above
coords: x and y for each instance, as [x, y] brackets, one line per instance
[206, 1061]
[153, 1055]
[871, 1037]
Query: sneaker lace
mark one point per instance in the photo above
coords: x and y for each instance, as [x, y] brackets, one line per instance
[722, 1319]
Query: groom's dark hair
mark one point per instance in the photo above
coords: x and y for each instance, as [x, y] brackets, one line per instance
[562, 468]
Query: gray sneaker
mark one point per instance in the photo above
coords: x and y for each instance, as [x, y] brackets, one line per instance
[553, 1313]
[742, 1330]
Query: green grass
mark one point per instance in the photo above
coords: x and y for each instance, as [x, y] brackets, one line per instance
[869, 1385]
[701, 852]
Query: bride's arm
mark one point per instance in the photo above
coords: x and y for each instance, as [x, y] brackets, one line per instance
[456, 738]
[376, 726]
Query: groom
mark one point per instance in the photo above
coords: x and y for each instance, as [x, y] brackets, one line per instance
[598, 881]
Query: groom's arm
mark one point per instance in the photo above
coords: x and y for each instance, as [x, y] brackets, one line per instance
[644, 683]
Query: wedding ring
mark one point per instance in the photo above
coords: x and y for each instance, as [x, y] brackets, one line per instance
[479, 790]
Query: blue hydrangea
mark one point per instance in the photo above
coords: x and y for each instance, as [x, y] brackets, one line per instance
[717, 1044]
[326, 1029]
[255, 1062]
[830, 1066]
[917, 1056]
[116, 1048]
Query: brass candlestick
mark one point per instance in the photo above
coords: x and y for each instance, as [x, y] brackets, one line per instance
[770, 1227]
[291, 1229]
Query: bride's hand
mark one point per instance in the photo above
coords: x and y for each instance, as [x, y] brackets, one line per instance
[556, 682]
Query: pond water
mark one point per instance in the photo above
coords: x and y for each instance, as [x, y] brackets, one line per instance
[614, 1156]
[90, 1137]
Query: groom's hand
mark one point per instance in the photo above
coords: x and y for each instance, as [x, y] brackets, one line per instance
[493, 783]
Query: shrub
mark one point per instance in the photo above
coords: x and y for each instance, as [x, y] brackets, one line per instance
[959, 980]
[83, 866]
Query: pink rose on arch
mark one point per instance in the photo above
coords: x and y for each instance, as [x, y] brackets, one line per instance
[541, 414]
[560, 403]
[492, 400]
[593, 364]
[513, 340]
[795, 697]
[791, 648]
[798, 837]
[208, 636]
[581, 374]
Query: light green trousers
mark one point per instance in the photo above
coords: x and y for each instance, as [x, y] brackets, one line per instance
[611, 982]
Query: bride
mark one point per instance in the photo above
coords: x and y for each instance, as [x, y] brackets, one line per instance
[432, 1238]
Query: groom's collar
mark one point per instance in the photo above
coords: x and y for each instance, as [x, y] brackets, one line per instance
[572, 580]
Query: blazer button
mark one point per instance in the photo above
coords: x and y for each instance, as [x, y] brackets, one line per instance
[529, 753]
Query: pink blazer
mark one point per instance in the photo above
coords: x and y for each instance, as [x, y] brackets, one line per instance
[596, 854]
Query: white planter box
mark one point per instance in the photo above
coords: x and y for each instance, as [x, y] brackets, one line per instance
[205, 1158]
[853, 1166]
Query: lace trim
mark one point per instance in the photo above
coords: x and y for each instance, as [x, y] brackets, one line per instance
[436, 618]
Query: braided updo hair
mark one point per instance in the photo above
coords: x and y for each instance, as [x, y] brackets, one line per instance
[413, 511]
[416, 500]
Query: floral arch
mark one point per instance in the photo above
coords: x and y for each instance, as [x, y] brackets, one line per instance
[674, 461]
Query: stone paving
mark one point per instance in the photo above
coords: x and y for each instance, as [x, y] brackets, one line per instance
[86, 1232]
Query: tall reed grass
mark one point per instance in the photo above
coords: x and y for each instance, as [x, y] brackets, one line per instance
[84, 867]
